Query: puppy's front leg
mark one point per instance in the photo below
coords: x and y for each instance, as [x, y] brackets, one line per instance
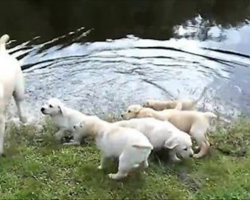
[173, 157]
[119, 175]
[59, 135]
[19, 97]
[72, 143]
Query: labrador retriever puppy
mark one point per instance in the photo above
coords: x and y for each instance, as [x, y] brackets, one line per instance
[11, 84]
[163, 105]
[63, 117]
[129, 145]
[193, 122]
[162, 134]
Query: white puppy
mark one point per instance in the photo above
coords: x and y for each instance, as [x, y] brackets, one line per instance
[63, 117]
[194, 123]
[162, 134]
[129, 145]
[11, 84]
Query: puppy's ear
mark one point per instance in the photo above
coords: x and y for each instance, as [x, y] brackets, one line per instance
[62, 109]
[146, 103]
[171, 143]
[82, 124]
[138, 109]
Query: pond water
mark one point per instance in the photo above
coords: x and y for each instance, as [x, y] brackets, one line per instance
[100, 56]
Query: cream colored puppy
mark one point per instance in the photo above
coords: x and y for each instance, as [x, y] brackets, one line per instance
[193, 122]
[11, 84]
[64, 118]
[129, 145]
[162, 134]
[162, 105]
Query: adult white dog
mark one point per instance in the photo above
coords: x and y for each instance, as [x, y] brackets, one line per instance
[162, 134]
[129, 145]
[63, 117]
[11, 84]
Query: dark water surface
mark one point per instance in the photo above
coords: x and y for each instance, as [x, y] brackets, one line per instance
[101, 55]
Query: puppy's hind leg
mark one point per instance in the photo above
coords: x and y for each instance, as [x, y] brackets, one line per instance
[19, 97]
[198, 133]
[2, 133]
[123, 168]
[173, 157]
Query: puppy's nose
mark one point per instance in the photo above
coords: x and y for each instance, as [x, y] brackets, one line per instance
[42, 109]
[122, 115]
[74, 127]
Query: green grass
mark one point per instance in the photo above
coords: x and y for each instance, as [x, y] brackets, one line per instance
[35, 167]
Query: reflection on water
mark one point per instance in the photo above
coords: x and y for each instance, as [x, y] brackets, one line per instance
[100, 56]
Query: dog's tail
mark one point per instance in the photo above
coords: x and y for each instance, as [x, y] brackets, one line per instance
[201, 95]
[210, 115]
[143, 146]
[3, 40]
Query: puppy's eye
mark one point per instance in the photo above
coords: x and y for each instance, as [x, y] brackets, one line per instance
[185, 149]
[129, 111]
[50, 106]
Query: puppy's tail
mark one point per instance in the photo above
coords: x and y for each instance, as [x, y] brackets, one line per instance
[210, 115]
[143, 146]
[3, 40]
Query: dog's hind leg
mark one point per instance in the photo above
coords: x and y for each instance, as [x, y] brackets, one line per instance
[18, 95]
[2, 133]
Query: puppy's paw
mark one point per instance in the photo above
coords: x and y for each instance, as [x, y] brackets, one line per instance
[100, 167]
[175, 159]
[113, 176]
[24, 120]
[145, 164]
[117, 176]
[15, 121]
[197, 155]
[73, 143]
[68, 144]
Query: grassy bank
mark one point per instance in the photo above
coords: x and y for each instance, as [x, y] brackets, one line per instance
[37, 168]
